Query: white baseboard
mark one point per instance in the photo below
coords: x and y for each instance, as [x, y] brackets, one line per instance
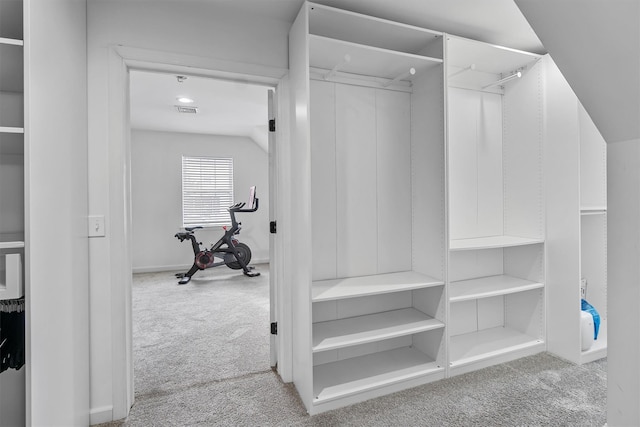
[160, 268]
[101, 415]
[185, 267]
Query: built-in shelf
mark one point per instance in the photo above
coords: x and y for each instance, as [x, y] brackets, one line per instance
[374, 327]
[476, 346]
[491, 242]
[597, 210]
[9, 129]
[345, 25]
[491, 286]
[326, 53]
[11, 240]
[14, 42]
[359, 374]
[486, 57]
[351, 287]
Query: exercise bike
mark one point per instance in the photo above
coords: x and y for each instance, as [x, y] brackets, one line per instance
[228, 249]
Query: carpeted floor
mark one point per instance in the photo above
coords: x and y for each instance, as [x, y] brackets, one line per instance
[202, 358]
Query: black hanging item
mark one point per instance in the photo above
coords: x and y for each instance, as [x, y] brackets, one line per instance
[12, 348]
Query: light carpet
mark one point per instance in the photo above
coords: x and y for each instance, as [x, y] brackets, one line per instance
[201, 355]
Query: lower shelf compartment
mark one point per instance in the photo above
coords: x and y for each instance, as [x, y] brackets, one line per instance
[477, 346]
[359, 374]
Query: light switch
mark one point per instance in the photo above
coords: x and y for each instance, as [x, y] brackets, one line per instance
[96, 226]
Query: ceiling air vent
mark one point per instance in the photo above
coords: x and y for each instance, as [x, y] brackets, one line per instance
[185, 109]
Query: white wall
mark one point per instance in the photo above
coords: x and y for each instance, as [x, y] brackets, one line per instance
[156, 189]
[56, 250]
[210, 37]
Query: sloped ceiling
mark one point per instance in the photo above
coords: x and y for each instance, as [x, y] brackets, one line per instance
[596, 45]
[231, 109]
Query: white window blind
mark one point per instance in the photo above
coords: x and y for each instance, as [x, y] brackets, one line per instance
[207, 190]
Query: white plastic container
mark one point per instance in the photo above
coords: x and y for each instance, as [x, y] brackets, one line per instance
[586, 330]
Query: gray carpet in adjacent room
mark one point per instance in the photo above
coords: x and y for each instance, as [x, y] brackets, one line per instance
[202, 358]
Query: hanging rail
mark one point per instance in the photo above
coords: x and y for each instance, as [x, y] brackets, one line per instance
[464, 70]
[334, 70]
[504, 80]
[410, 72]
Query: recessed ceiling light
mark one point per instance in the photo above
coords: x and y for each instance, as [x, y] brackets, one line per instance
[185, 100]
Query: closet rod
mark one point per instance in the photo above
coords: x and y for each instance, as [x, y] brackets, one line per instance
[345, 61]
[504, 80]
[411, 72]
[464, 70]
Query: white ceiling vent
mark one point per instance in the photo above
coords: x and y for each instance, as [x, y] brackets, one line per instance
[186, 109]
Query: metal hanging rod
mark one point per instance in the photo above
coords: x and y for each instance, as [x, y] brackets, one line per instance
[334, 70]
[504, 80]
[410, 72]
[464, 70]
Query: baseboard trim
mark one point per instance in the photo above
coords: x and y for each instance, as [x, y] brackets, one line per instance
[161, 268]
[103, 414]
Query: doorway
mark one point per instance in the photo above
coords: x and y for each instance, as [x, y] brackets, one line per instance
[216, 326]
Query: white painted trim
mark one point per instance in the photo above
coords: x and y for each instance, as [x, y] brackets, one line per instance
[181, 267]
[122, 59]
[100, 415]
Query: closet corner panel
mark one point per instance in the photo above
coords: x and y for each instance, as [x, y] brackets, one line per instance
[300, 228]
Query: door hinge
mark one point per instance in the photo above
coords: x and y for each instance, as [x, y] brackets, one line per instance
[273, 228]
[272, 125]
[274, 328]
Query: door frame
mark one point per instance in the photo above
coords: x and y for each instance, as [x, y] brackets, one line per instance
[122, 59]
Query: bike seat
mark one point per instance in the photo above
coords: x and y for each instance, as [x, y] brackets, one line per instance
[190, 229]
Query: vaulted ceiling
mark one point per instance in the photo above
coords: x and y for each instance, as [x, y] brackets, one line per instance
[235, 109]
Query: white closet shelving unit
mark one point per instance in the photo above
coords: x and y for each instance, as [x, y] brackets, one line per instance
[12, 153]
[496, 212]
[577, 220]
[11, 149]
[368, 156]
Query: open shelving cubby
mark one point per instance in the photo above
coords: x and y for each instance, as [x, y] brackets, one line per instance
[372, 310]
[496, 273]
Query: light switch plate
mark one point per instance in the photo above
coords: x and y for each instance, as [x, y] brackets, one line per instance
[96, 226]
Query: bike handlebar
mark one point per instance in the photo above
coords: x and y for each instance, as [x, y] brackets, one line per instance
[238, 207]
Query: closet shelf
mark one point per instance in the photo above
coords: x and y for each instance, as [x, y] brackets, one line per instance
[9, 129]
[488, 343]
[359, 374]
[593, 210]
[325, 53]
[9, 41]
[491, 286]
[11, 240]
[375, 327]
[354, 27]
[491, 242]
[351, 287]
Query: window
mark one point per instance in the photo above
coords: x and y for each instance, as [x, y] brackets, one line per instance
[207, 191]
